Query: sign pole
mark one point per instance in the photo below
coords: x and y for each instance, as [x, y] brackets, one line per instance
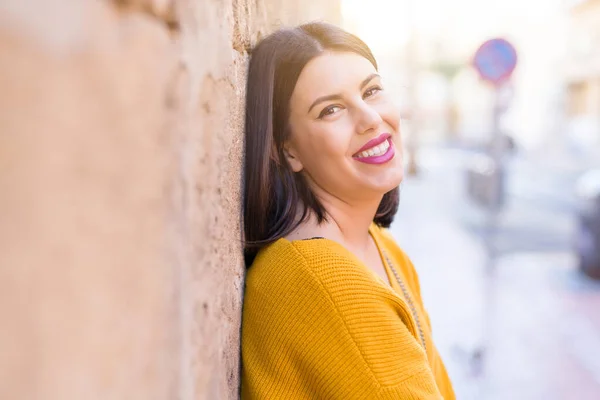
[495, 61]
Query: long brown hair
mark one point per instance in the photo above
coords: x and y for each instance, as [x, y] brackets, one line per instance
[273, 193]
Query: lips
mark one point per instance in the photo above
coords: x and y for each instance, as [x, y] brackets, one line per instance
[379, 156]
[373, 142]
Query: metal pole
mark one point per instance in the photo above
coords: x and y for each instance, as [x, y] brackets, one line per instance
[496, 187]
[496, 150]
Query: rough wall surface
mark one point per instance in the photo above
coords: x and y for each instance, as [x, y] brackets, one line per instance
[121, 273]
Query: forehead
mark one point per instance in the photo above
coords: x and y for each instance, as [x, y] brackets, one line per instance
[331, 73]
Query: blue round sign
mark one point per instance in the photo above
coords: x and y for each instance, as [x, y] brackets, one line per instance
[495, 60]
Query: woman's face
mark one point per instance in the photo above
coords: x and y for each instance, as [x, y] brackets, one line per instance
[345, 130]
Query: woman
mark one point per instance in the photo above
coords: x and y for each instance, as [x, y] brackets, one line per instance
[332, 307]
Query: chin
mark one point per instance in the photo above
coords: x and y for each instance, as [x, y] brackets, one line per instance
[395, 179]
[383, 181]
[384, 187]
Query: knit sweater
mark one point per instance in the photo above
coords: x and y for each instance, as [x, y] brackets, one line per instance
[319, 324]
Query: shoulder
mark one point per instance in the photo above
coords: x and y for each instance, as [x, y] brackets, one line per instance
[290, 280]
[317, 260]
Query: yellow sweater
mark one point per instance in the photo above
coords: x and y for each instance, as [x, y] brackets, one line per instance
[319, 324]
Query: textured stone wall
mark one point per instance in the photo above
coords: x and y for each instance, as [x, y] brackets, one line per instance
[121, 273]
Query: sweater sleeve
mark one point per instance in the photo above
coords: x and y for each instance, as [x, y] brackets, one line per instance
[326, 330]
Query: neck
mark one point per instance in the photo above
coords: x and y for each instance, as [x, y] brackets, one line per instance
[349, 222]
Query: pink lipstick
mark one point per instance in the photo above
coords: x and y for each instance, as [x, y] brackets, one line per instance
[376, 151]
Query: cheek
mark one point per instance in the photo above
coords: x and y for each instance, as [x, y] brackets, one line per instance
[391, 116]
[330, 140]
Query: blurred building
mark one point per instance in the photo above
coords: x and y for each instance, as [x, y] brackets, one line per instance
[582, 74]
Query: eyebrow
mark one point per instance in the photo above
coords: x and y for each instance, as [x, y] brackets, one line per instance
[337, 96]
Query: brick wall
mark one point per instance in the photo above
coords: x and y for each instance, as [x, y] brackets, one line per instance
[120, 157]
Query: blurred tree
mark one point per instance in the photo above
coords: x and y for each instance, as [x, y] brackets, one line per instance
[449, 70]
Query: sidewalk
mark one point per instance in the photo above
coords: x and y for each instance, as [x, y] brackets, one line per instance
[525, 325]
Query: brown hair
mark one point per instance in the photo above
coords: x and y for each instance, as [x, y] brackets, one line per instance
[273, 193]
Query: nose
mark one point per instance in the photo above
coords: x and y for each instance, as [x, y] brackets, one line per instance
[367, 119]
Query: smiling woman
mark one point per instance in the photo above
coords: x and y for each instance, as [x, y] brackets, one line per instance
[332, 306]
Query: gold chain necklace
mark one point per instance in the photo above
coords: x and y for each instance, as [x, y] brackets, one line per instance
[408, 298]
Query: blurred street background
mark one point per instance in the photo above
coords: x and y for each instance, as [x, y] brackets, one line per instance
[513, 315]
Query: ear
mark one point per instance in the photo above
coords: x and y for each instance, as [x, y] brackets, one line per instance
[291, 155]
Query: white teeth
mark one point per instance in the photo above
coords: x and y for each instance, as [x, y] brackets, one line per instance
[375, 151]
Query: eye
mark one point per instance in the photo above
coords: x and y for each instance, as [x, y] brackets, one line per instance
[329, 110]
[372, 91]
